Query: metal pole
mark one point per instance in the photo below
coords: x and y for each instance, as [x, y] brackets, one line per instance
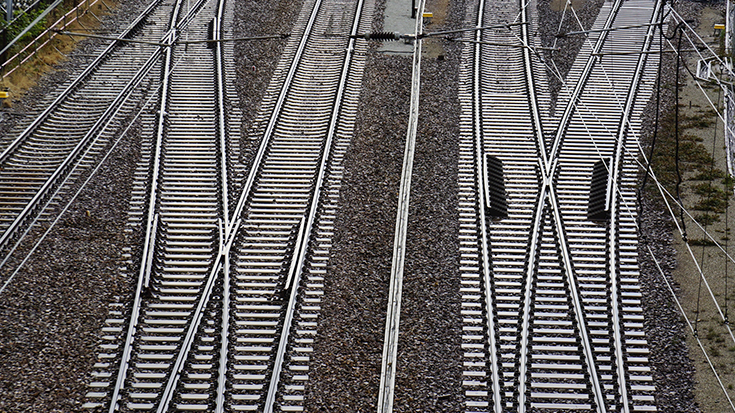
[5, 36]
[728, 92]
[728, 29]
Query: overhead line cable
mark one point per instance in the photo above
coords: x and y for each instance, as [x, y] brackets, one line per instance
[73, 198]
[676, 128]
[686, 23]
[630, 209]
[665, 192]
[681, 208]
[655, 123]
[683, 313]
[661, 188]
[695, 260]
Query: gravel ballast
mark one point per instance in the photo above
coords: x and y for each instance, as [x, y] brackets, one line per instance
[52, 312]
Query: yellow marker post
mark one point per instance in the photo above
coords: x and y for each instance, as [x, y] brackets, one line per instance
[4, 94]
[719, 28]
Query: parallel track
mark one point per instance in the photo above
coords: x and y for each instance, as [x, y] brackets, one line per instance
[231, 271]
[38, 161]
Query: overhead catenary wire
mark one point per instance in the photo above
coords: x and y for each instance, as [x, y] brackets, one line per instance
[699, 288]
[727, 238]
[713, 56]
[711, 239]
[691, 328]
[661, 188]
[678, 31]
[555, 71]
[681, 207]
[711, 365]
[701, 346]
[78, 192]
[236, 39]
[567, 4]
[663, 191]
[657, 115]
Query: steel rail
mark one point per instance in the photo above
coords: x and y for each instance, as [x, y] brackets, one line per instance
[230, 231]
[232, 228]
[64, 169]
[73, 159]
[61, 172]
[531, 84]
[535, 240]
[142, 73]
[577, 92]
[221, 108]
[148, 246]
[556, 301]
[614, 176]
[477, 123]
[612, 245]
[307, 223]
[152, 221]
[167, 394]
[220, 85]
[547, 195]
[77, 82]
[152, 226]
[393, 313]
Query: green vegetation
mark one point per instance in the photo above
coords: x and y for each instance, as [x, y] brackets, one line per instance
[706, 219]
[701, 242]
[712, 186]
[709, 175]
[703, 121]
[23, 21]
[693, 156]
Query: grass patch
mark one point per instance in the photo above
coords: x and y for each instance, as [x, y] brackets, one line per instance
[706, 219]
[701, 242]
[711, 175]
[711, 204]
[26, 76]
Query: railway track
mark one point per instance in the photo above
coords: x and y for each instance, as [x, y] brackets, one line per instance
[230, 273]
[551, 300]
[38, 165]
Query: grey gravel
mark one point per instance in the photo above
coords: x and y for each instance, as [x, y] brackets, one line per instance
[673, 371]
[52, 312]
